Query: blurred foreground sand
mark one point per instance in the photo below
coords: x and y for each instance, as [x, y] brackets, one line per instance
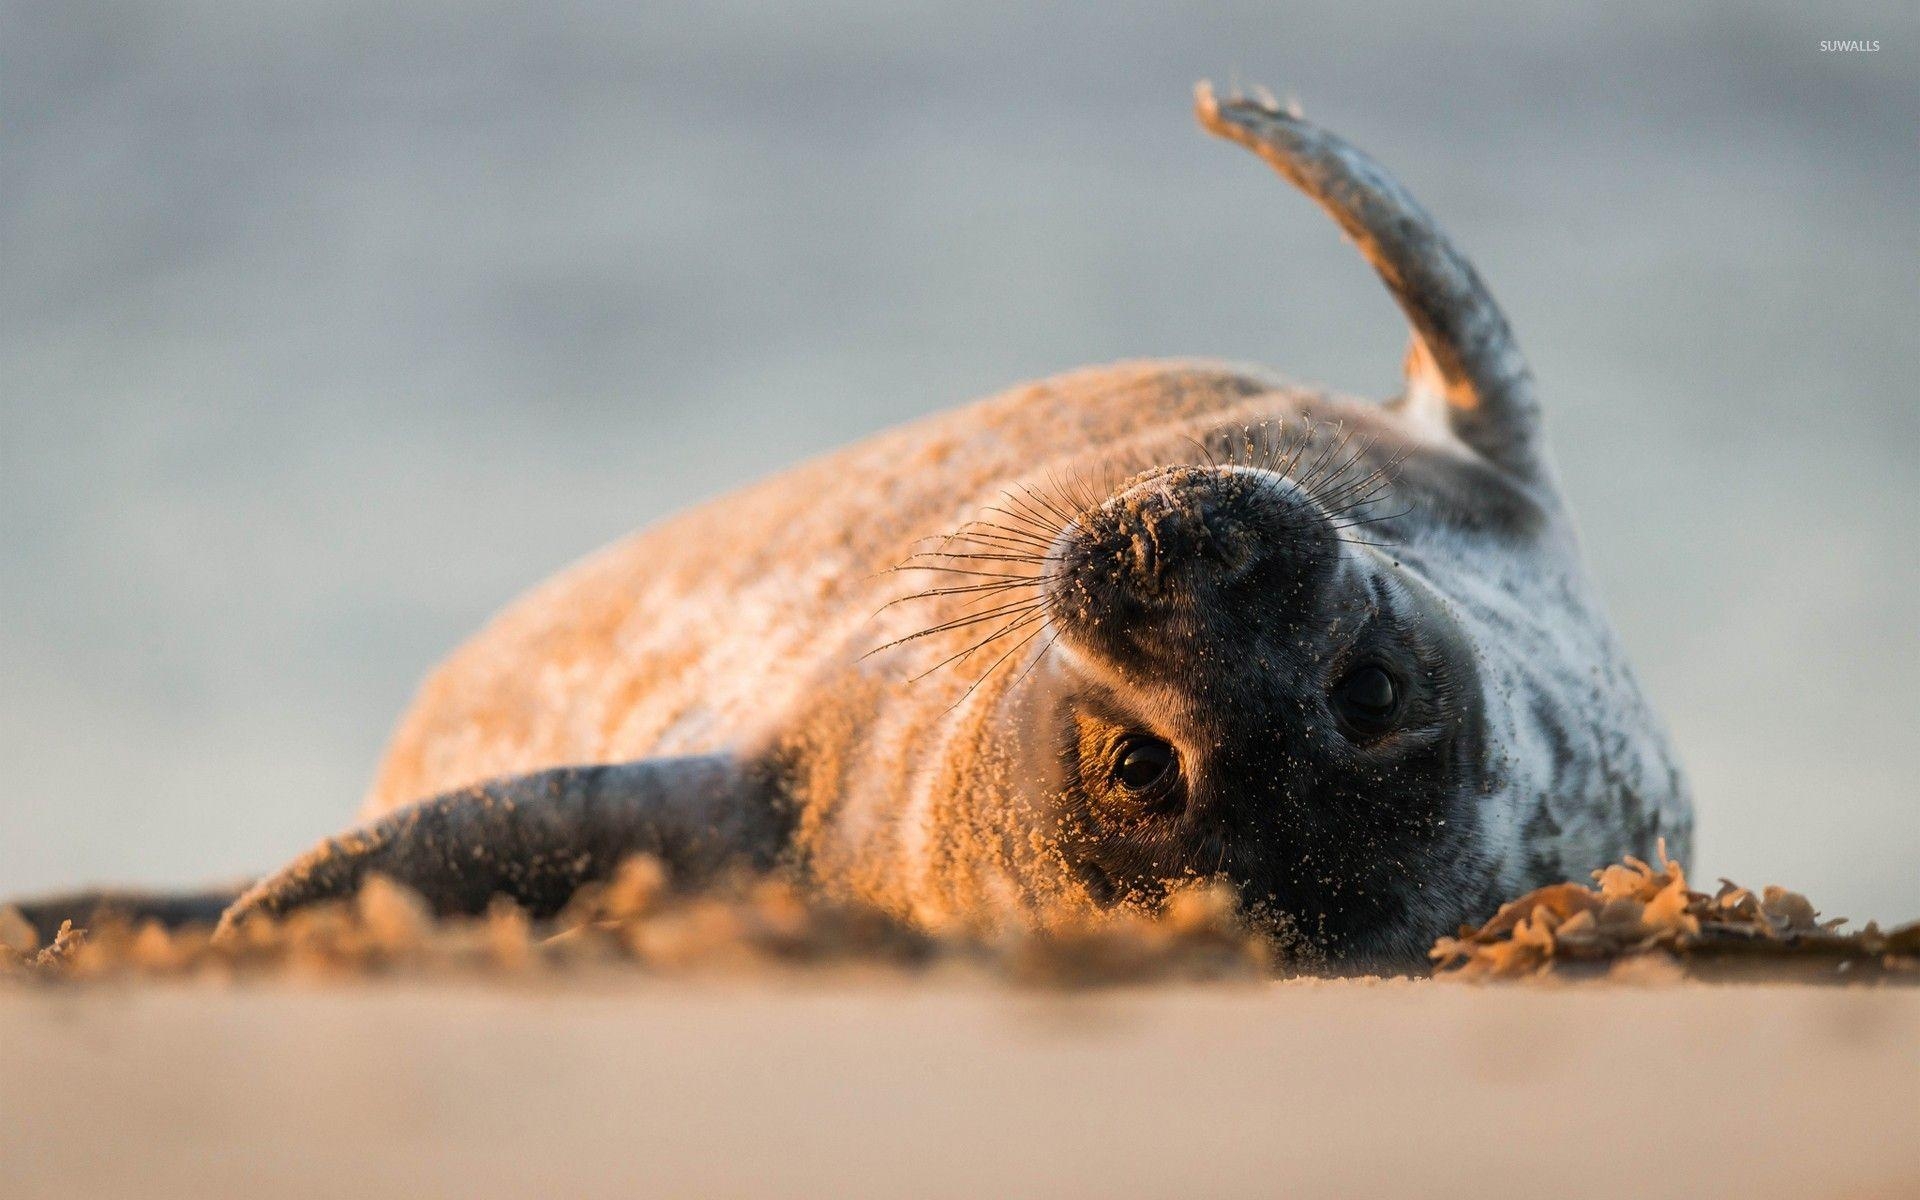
[851, 1088]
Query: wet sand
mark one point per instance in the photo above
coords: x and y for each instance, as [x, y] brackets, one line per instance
[964, 1090]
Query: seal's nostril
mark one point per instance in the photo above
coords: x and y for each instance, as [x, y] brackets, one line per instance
[1181, 527]
[1187, 536]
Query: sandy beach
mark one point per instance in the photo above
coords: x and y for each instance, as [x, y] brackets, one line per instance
[858, 1088]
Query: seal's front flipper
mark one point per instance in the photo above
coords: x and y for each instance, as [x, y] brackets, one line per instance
[86, 909]
[536, 838]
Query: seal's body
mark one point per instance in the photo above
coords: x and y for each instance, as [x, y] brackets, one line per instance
[1058, 650]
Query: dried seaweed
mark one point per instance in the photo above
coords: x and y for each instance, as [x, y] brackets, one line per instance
[638, 921]
[1635, 918]
[1634, 921]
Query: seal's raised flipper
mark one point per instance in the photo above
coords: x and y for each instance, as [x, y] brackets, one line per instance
[1464, 366]
[171, 909]
[536, 838]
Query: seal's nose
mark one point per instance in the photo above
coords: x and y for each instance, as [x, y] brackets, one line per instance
[1189, 555]
[1181, 524]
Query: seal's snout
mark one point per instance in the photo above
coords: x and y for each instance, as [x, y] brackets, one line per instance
[1177, 550]
[1173, 530]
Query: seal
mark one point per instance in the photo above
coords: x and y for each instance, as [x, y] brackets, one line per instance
[1065, 648]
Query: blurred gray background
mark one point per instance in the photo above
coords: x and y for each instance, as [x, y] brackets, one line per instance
[326, 328]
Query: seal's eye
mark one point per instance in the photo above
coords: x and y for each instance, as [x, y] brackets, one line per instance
[1144, 765]
[1367, 700]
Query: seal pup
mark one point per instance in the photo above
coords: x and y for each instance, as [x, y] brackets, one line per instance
[1064, 648]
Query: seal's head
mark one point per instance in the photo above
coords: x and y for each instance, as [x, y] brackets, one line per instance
[1245, 692]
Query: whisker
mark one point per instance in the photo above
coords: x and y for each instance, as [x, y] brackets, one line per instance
[1384, 470]
[1313, 473]
[1334, 486]
[1299, 448]
[1001, 536]
[1373, 520]
[1084, 494]
[1010, 627]
[1333, 479]
[969, 589]
[1074, 490]
[998, 557]
[1032, 506]
[959, 571]
[1023, 524]
[972, 588]
[1204, 452]
[1049, 504]
[1379, 491]
[1023, 605]
[996, 663]
[1275, 436]
[1036, 661]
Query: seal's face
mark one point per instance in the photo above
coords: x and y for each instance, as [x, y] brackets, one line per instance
[1250, 695]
